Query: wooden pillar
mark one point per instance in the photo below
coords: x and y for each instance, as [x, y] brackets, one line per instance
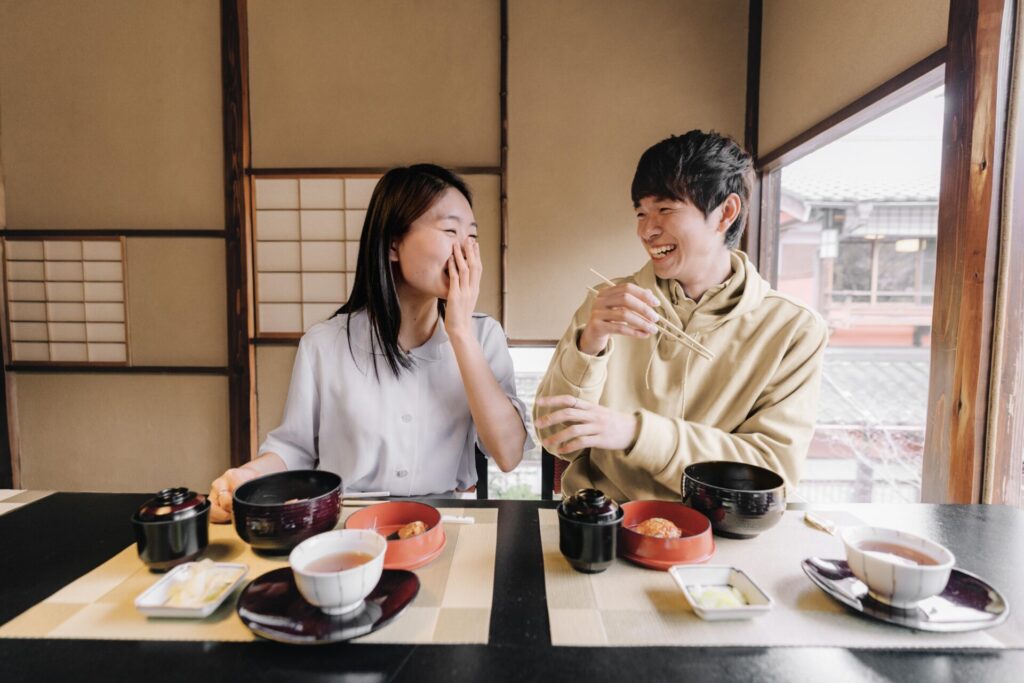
[241, 360]
[1005, 437]
[750, 242]
[969, 199]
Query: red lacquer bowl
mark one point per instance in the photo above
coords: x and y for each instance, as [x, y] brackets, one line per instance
[387, 518]
[695, 545]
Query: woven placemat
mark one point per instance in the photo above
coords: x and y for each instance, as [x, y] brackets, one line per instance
[628, 605]
[453, 605]
[12, 499]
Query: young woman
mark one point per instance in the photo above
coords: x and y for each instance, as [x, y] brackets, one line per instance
[396, 390]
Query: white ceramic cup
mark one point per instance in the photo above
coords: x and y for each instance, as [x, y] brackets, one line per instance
[342, 591]
[889, 579]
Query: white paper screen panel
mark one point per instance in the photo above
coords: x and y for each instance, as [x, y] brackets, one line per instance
[66, 301]
[306, 243]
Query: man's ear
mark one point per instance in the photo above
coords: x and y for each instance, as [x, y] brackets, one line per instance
[730, 212]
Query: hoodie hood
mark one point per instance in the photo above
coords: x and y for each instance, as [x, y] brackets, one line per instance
[741, 293]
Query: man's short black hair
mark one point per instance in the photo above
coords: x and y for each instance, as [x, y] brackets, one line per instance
[698, 167]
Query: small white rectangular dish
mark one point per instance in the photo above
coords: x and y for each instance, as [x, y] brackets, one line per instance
[696, 580]
[182, 580]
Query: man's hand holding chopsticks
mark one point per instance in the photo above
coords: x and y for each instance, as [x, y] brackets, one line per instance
[620, 309]
[587, 425]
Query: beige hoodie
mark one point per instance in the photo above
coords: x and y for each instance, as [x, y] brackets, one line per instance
[756, 402]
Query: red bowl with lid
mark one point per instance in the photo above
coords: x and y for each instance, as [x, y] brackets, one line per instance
[695, 545]
[387, 518]
[172, 528]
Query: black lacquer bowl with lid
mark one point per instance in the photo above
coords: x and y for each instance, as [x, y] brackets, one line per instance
[172, 528]
[588, 527]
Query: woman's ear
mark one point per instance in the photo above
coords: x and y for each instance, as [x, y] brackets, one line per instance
[730, 212]
[393, 252]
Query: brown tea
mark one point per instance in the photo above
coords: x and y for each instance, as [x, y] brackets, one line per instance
[338, 562]
[900, 551]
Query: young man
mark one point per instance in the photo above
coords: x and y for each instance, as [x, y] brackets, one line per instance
[630, 407]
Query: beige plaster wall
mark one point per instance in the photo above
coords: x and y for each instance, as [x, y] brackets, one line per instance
[177, 305]
[487, 210]
[110, 113]
[591, 86]
[83, 432]
[345, 83]
[273, 374]
[818, 56]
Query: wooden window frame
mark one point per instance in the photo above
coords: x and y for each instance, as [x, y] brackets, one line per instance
[958, 468]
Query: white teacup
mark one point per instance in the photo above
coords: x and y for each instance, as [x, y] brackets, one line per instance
[338, 591]
[899, 569]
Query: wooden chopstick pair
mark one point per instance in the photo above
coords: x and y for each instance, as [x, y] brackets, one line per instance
[669, 329]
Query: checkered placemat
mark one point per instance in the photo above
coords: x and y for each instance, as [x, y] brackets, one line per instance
[12, 499]
[453, 605]
[627, 605]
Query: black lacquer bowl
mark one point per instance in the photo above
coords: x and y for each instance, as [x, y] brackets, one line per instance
[740, 500]
[277, 512]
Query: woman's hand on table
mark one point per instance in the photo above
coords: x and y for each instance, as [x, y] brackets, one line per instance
[223, 489]
[587, 425]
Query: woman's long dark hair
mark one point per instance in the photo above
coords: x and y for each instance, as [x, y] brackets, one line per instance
[401, 196]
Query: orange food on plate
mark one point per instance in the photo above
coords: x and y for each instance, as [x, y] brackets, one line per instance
[658, 527]
[412, 529]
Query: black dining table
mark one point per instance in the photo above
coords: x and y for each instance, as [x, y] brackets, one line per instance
[49, 543]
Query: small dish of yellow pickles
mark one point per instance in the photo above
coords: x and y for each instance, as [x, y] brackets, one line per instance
[718, 592]
[192, 590]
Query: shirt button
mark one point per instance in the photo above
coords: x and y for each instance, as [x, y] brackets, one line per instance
[407, 418]
[401, 473]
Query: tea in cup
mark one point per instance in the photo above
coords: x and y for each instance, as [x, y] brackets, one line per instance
[899, 569]
[336, 570]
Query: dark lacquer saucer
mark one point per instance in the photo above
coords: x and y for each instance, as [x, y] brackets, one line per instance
[272, 607]
[967, 603]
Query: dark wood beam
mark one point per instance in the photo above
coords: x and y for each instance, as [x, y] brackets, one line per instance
[503, 192]
[109, 232]
[241, 359]
[10, 476]
[750, 242]
[753, 77]
[112, 369]
[969, 210]
[356, 170]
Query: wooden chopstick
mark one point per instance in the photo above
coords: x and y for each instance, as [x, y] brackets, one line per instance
[670, 328]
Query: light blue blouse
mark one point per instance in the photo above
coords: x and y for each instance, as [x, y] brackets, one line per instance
[411, 435]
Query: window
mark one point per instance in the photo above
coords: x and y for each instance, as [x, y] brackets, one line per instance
[531, 362]
[66, 300]
[306, 246]
[856, 236]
